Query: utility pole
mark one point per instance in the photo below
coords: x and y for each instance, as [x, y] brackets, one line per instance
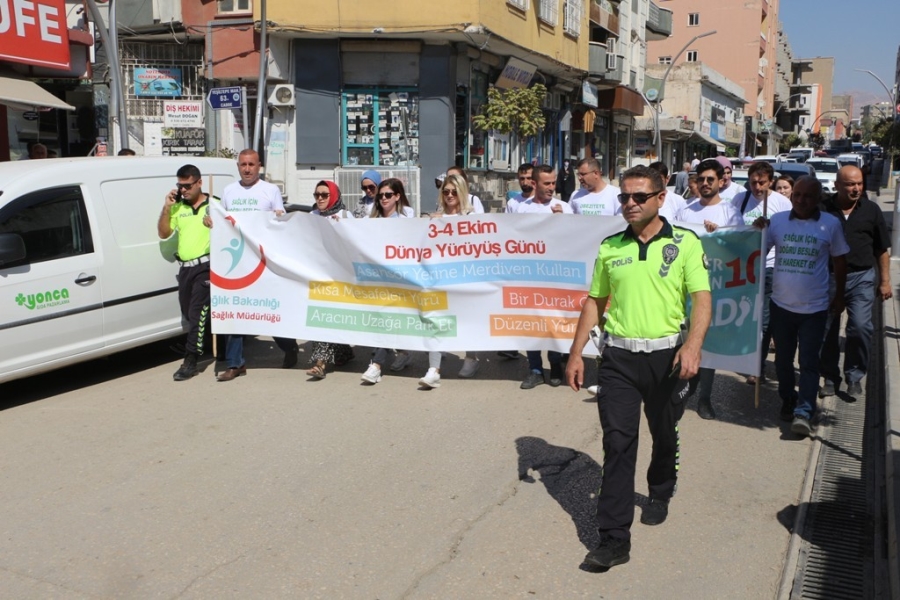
[115, 70]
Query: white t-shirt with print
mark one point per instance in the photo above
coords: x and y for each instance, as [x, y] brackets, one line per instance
[262, 195]
[531, 206]
[777, 203]
[722, 214]
[802, 251]
[604, 202]
[513, 204]
[672, 204]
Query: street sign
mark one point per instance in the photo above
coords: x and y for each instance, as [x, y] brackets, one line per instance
[224, 98]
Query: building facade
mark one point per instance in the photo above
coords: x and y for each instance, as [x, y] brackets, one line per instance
[743, 49]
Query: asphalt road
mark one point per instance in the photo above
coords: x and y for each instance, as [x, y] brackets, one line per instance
[119, 483]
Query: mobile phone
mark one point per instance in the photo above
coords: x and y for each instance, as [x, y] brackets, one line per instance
[179, 196]
[676, 370]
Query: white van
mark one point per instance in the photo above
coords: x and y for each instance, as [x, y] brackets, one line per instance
[850, 159]
[83, 273]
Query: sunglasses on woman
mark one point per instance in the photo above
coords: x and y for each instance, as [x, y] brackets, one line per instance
[387, 195]
[321, 195]
[449, 192]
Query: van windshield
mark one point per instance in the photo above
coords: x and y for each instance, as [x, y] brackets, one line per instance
[824, 167]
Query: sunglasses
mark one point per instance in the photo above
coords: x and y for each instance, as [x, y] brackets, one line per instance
[387, 195]
[186, 186]
[638, 197]
[707, 179]
[369, 188]
[449, 192]
[321, 195]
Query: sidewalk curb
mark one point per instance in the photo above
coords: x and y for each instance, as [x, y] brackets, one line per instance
[892, 431]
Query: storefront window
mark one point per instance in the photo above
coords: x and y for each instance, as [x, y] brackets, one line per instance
[373, 130]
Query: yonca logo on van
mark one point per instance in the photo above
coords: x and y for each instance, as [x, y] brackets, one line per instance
[46, 299]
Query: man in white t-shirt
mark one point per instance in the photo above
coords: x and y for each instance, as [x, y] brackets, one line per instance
[595, 197]
[729, 189]
[526, 184]
[249, 194]
[711, 211]
[803, 239]
[753, 204]
[543, 202]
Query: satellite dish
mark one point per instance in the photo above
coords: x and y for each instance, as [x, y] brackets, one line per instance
[652, 94]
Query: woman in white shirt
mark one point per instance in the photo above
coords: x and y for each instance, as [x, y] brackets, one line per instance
[390, 203]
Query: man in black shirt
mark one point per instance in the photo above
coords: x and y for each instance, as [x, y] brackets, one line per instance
[867, 236]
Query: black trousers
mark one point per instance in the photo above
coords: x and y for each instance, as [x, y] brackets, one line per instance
[626, 379]
[193, 297]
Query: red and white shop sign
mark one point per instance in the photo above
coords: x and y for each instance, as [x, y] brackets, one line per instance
[34, 32]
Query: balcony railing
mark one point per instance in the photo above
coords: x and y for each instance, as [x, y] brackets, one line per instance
[603, 16]
[602, 64]
[659, 22]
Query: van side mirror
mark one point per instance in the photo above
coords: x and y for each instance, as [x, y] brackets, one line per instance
[12, 248]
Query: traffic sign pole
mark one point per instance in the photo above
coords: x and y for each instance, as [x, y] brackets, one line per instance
[246, 126]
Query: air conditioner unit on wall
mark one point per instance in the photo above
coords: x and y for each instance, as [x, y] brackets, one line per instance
[281, 94]
[612, 61]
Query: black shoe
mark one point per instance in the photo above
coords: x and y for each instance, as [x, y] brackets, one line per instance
[787, 410]
[290, 359]
[609, 553]
[705, 409]
[827, 389]
[855, 389]
[556, 375]
[510, 354]
[532, 381]
[187, 369]
[655, 513]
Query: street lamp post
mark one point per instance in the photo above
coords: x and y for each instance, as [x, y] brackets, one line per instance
[662, 87]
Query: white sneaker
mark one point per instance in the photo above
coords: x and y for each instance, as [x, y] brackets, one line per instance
[469, 368]
[592, 389]
[432, 379]
[372, 374]
[400, 361]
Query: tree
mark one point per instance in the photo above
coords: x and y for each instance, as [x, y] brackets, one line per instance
[789, 141]
[888, 137]
[516, 111]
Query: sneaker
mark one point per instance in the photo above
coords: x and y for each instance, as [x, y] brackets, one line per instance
[432, 379]
[187, 369]
[655, 513]
[372, 374]
[855, 389]
[290, 359]
[510, 354]
[593, 389]
[556, 375]
[705, 409]
[400, 361]
[532, 381]
[801, 426]
[787, 410]
[609, 553]
[827, 389]
[469, 368]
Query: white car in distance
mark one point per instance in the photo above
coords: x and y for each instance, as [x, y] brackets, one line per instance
[826, 172]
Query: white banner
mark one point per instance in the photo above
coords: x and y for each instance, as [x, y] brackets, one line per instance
[483, 282]
[182, 113]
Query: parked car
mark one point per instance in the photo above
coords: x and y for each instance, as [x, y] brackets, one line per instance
[794, 170]
[876, 151]
[850, 159]
[801, 154]
[769, 158]
[826, 172]
[82, 271]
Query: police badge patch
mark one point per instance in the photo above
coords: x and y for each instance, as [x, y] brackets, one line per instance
[670, 253]
[705, 262]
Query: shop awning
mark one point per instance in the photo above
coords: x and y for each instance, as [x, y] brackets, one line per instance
[706, 139]
[20, 94]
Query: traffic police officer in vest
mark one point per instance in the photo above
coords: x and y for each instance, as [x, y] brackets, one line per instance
[185, 211]
[644, 274]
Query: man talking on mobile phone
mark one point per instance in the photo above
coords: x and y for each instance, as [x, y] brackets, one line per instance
[652, 266]
[185, 211]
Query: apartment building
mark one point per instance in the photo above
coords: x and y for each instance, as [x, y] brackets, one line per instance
[743, 49]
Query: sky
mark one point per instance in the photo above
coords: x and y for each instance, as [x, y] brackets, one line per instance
[863, 34]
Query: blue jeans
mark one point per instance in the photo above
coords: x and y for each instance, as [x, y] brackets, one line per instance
[859, 297]
[234, 351]
[790, 329]
[537, 365]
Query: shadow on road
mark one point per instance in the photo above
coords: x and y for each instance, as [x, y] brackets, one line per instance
[570, 477]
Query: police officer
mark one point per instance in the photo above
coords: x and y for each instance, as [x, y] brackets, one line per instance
[652, 266]
[184, 211]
